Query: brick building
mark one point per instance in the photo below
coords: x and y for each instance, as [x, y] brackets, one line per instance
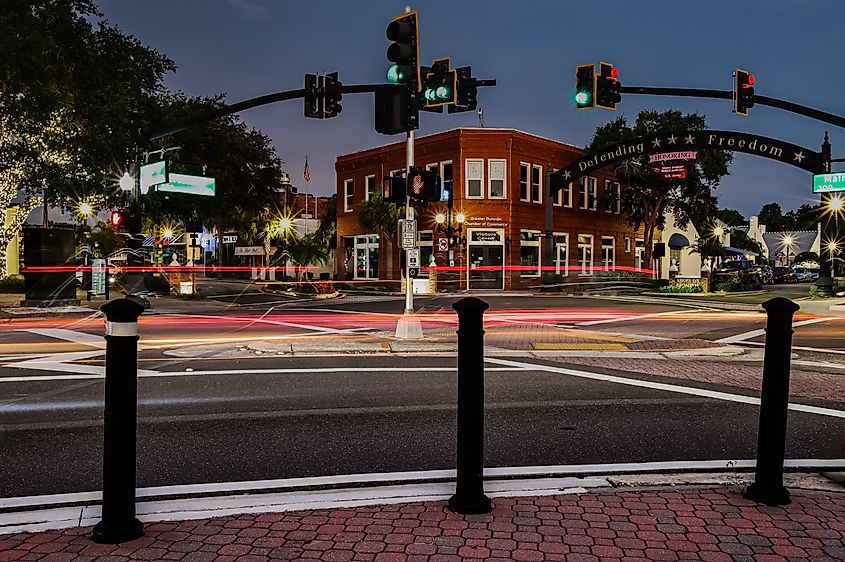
[498, 178]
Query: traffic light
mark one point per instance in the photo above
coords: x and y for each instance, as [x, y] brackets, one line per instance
[331, 95]
[743, 91]
[404, 52]
[424, 72]
[398, 112]
[117, 218]
[312, 96]
[607, 87]
[438, 85]
[322, 95]
[466, 91]
[585, 86]
[423, 185]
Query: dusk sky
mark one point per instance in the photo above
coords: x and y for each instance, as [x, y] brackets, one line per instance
[247, 48]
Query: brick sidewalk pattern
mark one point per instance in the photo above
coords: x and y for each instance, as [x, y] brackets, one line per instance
[709, 524]
[804, 384]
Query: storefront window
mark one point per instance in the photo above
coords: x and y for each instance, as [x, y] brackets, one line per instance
[561, 253]
[529, 253]
[425, 241]
[585, 254]
[608, 253]
[366, 257]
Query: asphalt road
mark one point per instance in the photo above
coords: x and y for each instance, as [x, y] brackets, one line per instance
[393, 414]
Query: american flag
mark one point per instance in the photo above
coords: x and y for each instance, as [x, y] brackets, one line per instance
[306, 173]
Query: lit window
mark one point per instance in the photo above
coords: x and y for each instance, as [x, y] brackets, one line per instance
[529, 253]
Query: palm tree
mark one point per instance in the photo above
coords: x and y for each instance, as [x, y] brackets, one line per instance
[307, 250]
[381, 217]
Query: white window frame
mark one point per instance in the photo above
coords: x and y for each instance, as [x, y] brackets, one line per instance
[612, 247]
[366, 247]
[433, 167]
[539, 184]
[639, 253]
[369, 186]
[557, 201]
[490, 163]
[348, 195]
[467, 178]
[530, 244]
[525, 167]
[568, 191]
[592, 192]
[558, 269]
[425, 244]
[585, 267]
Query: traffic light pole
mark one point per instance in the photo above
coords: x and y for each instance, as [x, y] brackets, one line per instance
[409, 326]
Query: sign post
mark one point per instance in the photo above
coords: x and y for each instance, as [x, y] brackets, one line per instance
[408, 233]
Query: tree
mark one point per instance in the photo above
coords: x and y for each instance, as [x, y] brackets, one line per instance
[647, 197]
[741, 240]
[69, 83]
[306, 251]
[805, 217]
[328, 223]
[730, 217]
[381, 217]
[771, 215]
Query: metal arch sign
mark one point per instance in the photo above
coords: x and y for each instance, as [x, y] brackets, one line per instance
[766, 147]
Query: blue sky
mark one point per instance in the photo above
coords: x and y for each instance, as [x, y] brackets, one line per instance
[246, 48]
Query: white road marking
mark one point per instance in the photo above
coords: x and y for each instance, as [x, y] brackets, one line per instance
[263, 320]
[70, 335]
[636, 317]
[738, 338]
[59, 362]
[667, 387]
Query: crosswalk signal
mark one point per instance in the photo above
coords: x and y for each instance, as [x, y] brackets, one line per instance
[423, 185]
[608, 87]
[117, 218]
[585, 86]
[743, 91]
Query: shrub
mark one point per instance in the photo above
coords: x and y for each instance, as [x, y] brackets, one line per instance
[735, 282]
[12, 284]
[685, 288]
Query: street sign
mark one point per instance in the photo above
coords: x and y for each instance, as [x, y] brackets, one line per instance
[230, 238]
[153, 174]
[408, 233]
[442, 244]
[194, 185]
[823, 183]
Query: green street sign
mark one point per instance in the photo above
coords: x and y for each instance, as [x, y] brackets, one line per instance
[822, 183]
[193, 185]
[153, 174]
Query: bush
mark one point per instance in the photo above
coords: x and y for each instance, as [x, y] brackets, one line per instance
[11, 284]
[685, 288]
[735, 282]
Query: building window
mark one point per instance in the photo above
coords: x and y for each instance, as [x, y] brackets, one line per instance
[529, 253]
[496, 174]
[627, 245]
[582, 192]
[567, 194]
[611, 191]
[675, 256]
[608, 252]
[348, 195]
[446, 176]
[524, 172]
[475, 179]
[425, 242]
[537, 184]
[561, 253]
[433, 168]
[585, 253]
[592, 186]
[370, 185]
[639, 253]
[558, 198]
[366, 256]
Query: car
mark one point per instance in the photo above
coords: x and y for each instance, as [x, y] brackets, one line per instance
[734, 266]
[765, 272]
[802, 274]
[814, 274]
[783, 274]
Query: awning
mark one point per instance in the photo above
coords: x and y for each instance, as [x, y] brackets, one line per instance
[678, 241]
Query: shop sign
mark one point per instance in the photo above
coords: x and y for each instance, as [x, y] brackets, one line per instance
[491, 237]
[487, 222]
[249, 251]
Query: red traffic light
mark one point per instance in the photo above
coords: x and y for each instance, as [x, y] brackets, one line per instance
[750, 81]
[614, 73]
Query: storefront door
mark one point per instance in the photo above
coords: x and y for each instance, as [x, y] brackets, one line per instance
[486, 261]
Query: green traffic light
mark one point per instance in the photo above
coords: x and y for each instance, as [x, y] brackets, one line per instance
[443, 93]
[582, 98]
[394, 74]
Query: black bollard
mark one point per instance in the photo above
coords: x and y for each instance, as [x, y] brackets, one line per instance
[768, 485]
[469, 494]
[118, 523]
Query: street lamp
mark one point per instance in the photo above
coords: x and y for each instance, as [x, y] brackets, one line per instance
[787, 242]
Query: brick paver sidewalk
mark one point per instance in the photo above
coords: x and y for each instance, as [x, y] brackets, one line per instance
[711, 524]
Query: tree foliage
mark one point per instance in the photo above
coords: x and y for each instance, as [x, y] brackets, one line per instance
[382, 217]
[730, 217]
[646, 196]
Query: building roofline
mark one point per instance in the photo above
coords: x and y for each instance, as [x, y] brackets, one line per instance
[458, 130]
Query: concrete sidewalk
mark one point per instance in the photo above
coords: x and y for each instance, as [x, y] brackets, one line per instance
[710, 522]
